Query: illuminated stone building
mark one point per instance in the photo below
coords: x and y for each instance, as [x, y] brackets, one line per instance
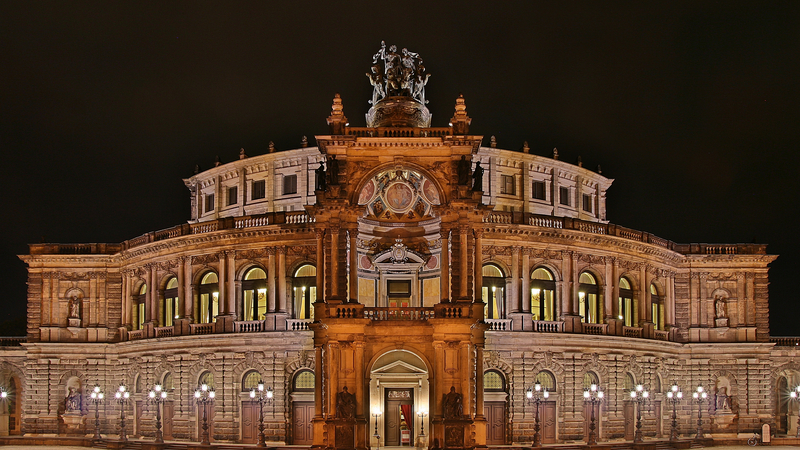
[394, 279]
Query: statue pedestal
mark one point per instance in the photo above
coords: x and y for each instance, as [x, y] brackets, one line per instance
[723, 422]
[74, 322]
[73, 421]
[458, 434]
[721, 323]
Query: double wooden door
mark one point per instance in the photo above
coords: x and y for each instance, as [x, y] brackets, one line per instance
[302, 428]
[495, 413]
[397, 425]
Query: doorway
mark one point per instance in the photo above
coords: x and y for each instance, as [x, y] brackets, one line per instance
[399, 421]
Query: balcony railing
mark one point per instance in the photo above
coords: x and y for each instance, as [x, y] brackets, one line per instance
[785, 341]
[498, 324]
[12, 341]
[380, 314]
[545, 326]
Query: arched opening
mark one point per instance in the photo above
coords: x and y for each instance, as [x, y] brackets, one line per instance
[495, 406]
[208, 299]
[589, 299]
[591, 380]
[139, 304]
[304, 291]
[168, 410]
[628, 407]
[627, 309]
[12, 405]
[543, 298]
[657, 306]
[171, 302]
[493, 296]
[302, 398]
[548, 412]
[254, 294]
[250, 406]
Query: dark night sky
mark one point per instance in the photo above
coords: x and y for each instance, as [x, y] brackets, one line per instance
[692, 107]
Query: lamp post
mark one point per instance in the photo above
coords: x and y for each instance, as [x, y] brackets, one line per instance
[122, 395]
[536, 396]
[422, 415]
[639, 395]
[97, 397]
[699, 396]
[592, 395]
[3, 399]
[158, 396]
[795, 395]
[376, 413]
[204, 395]
[262, 397]
[674, 395]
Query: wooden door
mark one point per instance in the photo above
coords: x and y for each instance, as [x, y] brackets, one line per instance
[659, 419]
[166, 419]
[209, 418]
[394, 422]
[249, 422]
[629, 414]
[495, 413]
[302, 428]
[547, 418]
[137, 421]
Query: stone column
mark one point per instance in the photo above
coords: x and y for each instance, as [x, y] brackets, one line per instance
[282, 279]
[335, 262]
[445, 266]
[230, 279]
[188, 300]
[148, 277]
[616, 313]
[526, 281]
[320, 236]
[126, 300]
[360, 393]
[513, 296]
[181, 283]
[221, 276]
[479, 381]
[463, 263]
[271, 307]
[643, 296]
[478, 266]
[669, 299]
[353, 276]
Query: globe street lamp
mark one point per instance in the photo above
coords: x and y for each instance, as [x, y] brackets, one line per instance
[3, 399]
[97, 397]
[592, 395]
[376, 413]
[699, 396]
[639, 395]
[536, 395]
[262, 397]
[204, 395]
[158, 396]
[674, 395]
[122, 395]
[795, 395]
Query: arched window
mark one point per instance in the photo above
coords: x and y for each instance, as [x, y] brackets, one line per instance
[171, 308]
[543, 298]
[206, 378]
[250, 380]
[492, 292]
[140, 301]
[494, 381]
[138, 385]
[589, 379]
[626, 306]
[630, 383]
[208, 309]
[169, 382]
[254, 294]
[547, 380]
[304, 291]
[657, 304]
[304, 381]
[590, 310]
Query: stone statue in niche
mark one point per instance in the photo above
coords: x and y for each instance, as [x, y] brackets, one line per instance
[463, 171]
[723, 402]
[477, 177]
[333, 170]
[719, 308]
[345, 404]
[453, 404]
[319, 172]
[72, 402]
[74, 307]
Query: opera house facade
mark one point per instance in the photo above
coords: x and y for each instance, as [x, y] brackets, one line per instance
[399, 284]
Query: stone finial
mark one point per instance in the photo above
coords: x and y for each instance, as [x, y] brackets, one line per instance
[217, 161]
[599, 169]
[196, 169]
[460, 121]
[271, 147]
[525, 147]
[304, 142]
[337, 120]
[580, 161]
[493, 142]
[555, 153]
[242, 154]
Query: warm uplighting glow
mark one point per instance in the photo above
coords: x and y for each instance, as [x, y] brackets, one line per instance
[376, 412]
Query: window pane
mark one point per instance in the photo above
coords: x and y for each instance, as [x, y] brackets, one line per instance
[563, 194]
[538, 190]
[304, 380]
[233, 195]
[259, 190]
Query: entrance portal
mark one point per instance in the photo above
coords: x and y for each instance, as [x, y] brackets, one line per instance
[399, 416]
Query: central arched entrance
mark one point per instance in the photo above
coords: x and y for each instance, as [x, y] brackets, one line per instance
[399, 391]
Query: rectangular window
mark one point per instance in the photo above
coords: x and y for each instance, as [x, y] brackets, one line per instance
[587, 202]
[538, 190]
[209, 202]
[507, 184]
[563, 196]
[233, 195]
[290, 184]
[259, 190]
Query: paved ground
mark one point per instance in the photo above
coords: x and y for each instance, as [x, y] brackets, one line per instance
[70, 447]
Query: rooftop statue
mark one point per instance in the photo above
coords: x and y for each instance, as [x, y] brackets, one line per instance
[403, 75]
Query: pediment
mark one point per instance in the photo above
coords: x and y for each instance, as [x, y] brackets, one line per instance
[399, 367]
